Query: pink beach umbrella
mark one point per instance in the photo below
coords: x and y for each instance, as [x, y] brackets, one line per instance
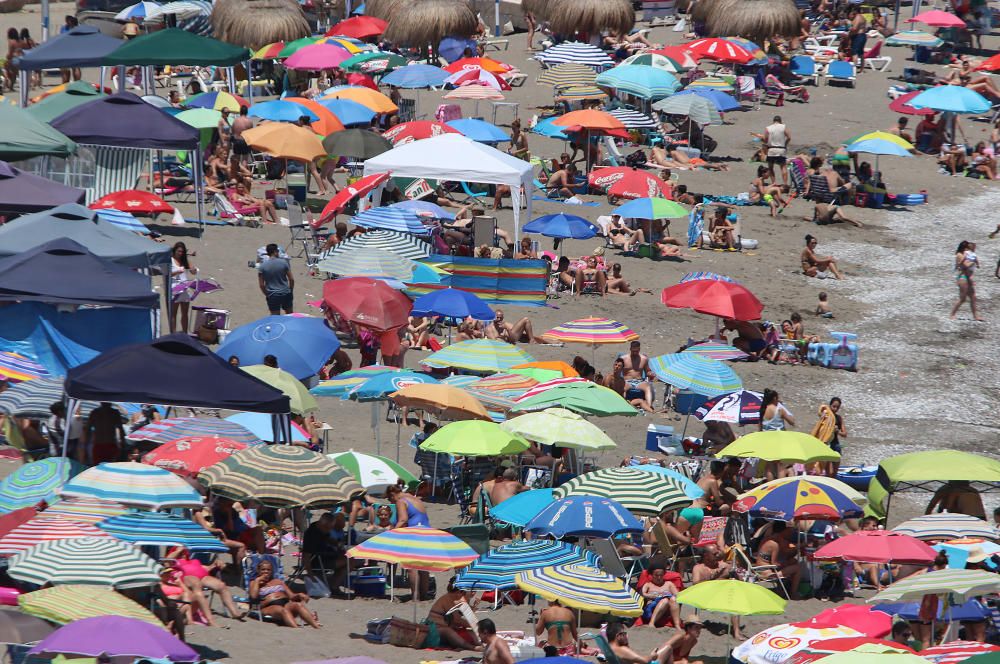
[317, 57]
[878, 546]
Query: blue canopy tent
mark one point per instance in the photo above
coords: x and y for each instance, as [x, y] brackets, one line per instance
[82, 46]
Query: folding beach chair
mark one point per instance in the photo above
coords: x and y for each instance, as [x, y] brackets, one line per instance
[839, 71]
[804, 67]
[250, 564]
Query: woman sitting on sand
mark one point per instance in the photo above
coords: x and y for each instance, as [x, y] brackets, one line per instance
[814, 265]
[623, 236]
[277, 601]
[964, 76]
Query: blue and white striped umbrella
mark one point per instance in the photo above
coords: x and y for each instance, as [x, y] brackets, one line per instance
[139, 10]
[159, 529]
[640, 80]
[380, 386]
[401, 244]
[578, 52]
[34, 482]
[368, 262]
[174, 428]
[123, 220]
[634, 119]
[392, 219]
[701, 375]
[32, 398]
[498, 568]
[134, 485]
[427, 209]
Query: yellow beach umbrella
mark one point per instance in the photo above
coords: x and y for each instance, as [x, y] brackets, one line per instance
[780, 446]
[285, 141]
[883, 136]
[445, 401]
[373, 99]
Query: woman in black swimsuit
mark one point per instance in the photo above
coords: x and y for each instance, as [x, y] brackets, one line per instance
[277, 601]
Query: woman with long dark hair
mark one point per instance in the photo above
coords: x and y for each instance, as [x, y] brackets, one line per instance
[966, 263]
[181, 270]
[774, 417]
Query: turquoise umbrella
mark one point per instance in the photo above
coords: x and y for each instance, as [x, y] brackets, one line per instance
[35, 482]
[914, 38]
[878, 147]
[643, 81]
[951, 99]
[699, 374]
[159, 529]
[520, 509]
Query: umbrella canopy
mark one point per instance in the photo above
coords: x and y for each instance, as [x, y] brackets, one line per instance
[285, 141]
[581, 586]
[261, 425]
[780, 446]
[401, 244]
[301, 344]
[946, 526]
[642, 81]
[173, 429]
[32, 398]
[878, 546]
[937, 19]
[393, 219]
[479, 130]
[583, 516]
[589, 120]
[902, 105]
[723, 102]
[568, 73]
[68, 603]
[373, 99]
[369, 262]
[316, 57]
[359, 143]
[115, 636]
[188, 456]
[367, 302]
[594, 331]
[659, 61]
[519, 509]
[711, 83]
[16, 368]
[379, 387]
[349, 113]
[280, 110]
[281, 476]
[562, 226]
[692, 490]
[83, 510]
[374, 473]
[416, 76]
[558, 426]
[959, 583]
[581, 397]
[716, 351]
[426, 549]
[638, 491]
[698, 374]
[739, 407]
[474, 438]
[951, 99]
[132, 484]
[545, 370]
[470, 64]
[717, 298]
[882, 136]
[159, 529]
[720, 50]
[497, 569]
[578, 52]
[879, 146]
[868, 620]
[16, 627]
[35, 482]
[33, 532]
[134, 201]
[651, 208]
[781, 642]
[627, 182]
[634, 119]
[427, 209]
[734, 597]
[416, 130]
[359, 27]
[101, 561]
[914, 38]
[486, 355]
[475, 91]
[298, 394]
[350, 192]
[701, 110]
[216, 100]
[860, 655]
[343, 383]
[139, 10]
[800, 499]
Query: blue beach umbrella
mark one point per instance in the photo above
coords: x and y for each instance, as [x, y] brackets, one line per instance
[343, 383]
[453, 48]
[139, 10]
[279, 110]
[546, 128]
[701, 375]
[262, 426]
[951, 99]
[416, 76]
[584, 516]
[159, 529]
[640, 80]
[379, 387]
[878, 146]
[723, 102]
[691, 489]
[479, 130]
[392, 219]
[301, 344]
[562, 226]
[519, 509]
[452, 303]
[349, 112]
[34, 482]
[496, 569]
[427, 209]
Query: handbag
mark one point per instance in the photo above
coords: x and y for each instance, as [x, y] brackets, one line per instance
[508, 28]
[316, 587]
[406, 634]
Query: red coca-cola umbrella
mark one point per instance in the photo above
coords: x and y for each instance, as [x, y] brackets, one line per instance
[368, 302]
[866, 619]
[358, 27]
[345, 195]
[133, 201]
[416, 130]
[625, 182]
[820, 649]
[362, 80]
[716, 298]
[188, 456]
[901, 104]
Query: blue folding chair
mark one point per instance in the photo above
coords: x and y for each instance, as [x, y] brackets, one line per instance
[839, 71]
[804, 67]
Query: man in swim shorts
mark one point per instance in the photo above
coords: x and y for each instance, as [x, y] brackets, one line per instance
[636, 370]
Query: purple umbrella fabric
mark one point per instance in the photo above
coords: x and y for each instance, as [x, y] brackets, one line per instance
[22, 192]
[115, 636]
[195, 287]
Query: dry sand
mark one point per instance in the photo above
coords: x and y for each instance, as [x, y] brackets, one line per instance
[924, 381]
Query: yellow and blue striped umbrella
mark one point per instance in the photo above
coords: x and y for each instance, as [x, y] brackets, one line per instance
[569, 73]
[497, 569]
[594, 331]
[701, 375]
[487, 355]
[712, 83]
[425, 549]
[581, 586]
[132, 484]
[15, 368]
[64, 604]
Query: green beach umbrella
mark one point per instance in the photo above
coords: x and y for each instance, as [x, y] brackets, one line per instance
[780, 446]
[374, 473]
[64, 604]
[959, 583]
[638, 491]
[656, 61]
[734, 597]
[36, 481]
[200, 118]
[293, 46]
[651, 208]
[558, 426]
[301, 400]
[474, 438]
[585, 398]
[76, 93]
[102, 561]
[486, 355]
[375, 62]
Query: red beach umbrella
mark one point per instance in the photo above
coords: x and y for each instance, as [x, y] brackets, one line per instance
[625, 182]
[416, 130]
[901, 104]
[344, 196]
[878, 546]
[188, 456]
[716, 298]
[362, 80]
[368, 302]
[133, 201]
[866, 619]
[358, 27]
[720, 50]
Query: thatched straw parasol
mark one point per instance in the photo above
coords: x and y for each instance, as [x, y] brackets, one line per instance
[757, 20]
[590, 16]
[256, 23]
[421, 22]
[383, 9]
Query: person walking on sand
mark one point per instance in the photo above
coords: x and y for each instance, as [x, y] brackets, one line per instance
[274, 276]
[966, 263]
[776, 138]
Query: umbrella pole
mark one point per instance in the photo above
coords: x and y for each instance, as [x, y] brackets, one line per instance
[399, 427]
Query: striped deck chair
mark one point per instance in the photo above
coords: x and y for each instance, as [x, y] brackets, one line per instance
[116, 169]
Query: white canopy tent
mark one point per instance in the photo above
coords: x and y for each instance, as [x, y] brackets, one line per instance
[458, 159]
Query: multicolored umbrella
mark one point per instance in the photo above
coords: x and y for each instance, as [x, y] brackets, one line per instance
[659, 61]
[593, 330]
[960, 584]
[566, 74]
[651, 208]
[581, 586]
[946, 526]
[739, 407]
[216, 100]
[176, 428]
[374, 473]
[268, 52]
[83, 510]
[638, 491]
[733, 597]
[373, 99]
[956, 651]
[393, 219]
[35, 482]
[580, 93]
[32, 398]
[543, 370]
[474, 438]
[583, 516]
[343, 383]
[711, 83]
[716, 351]
[558, 426]
[780, 642]
[425, 549]
[759, 56]
[698, 374]
[36, 531]
[797, 500]
[115, 637]
[498, 568]
[15, 368]
[914, 38]
[486, 355]
[68, 603]
[132, 484]
[489, 64]
[901, 104]
[580, 396]
[102, 561]
[188, 456]
[780, 446]
[159, 529]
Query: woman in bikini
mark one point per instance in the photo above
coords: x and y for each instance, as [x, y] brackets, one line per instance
[277, 601]
[966, 263]
[444, 627]
[982, 85]
[813, 265]
[195, 576]
[558, 624]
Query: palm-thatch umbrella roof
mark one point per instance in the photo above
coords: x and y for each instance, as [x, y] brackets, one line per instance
[383, 9]
[421, 22]
[256, 23]
[757, 20]
[591, 16]
[702, 9]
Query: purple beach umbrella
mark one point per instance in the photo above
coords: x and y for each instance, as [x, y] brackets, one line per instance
[115, 636]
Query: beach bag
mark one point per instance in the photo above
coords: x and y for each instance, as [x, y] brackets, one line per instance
[406, 634]
[681, 25]
[315, 586]
[636, 160]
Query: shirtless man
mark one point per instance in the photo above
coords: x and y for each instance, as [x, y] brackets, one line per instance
[828, 213]
[711, 484]
[900, 129]
[710, 568]
[749, 337]
[505, 486]
[562, 181]
[495, 649]
[521, 331]
[679, 646]
[958, 497]
[813, 264]
[242, 122]
[618, 642]
[616, 381]
[618, 285]
[636, 369]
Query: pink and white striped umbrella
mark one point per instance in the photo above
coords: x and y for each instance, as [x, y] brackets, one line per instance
[35, 531]
[478, 75]
[956, 651]
[475, 91]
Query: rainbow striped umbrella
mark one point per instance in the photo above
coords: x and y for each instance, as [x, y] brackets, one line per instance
[160, 529]
[498, 391]
[914, 38]
[64, 604]
[581, 586]
[486, 355]
[497, 569]
[102, 561]
[711, 83]
[36, 531]
[594, 331]
[83, 510]
[16, 368]
[175, 428]
[269, 52]
[701, 375]
[34, 482]
[216, 100]
[425, 549]
[716, 351]
[133, 484]
[292, 47]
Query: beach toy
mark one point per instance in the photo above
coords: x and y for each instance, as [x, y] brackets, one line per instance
[8, 596]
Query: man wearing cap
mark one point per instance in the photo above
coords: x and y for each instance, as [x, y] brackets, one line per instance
[680, 645]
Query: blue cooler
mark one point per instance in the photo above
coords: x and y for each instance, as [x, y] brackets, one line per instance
[368, 582]
[660, 438]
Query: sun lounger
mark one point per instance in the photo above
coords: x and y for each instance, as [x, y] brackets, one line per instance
[839, 71]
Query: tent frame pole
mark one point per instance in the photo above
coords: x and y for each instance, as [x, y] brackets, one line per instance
[70, 409]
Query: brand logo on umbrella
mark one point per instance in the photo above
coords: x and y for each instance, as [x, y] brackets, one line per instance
[607, 180]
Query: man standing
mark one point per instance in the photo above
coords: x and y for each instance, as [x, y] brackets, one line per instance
[495, 649]
[240, 125]
[858, 35]
[636, 369]
[104, 434]
[276, 282]
[776, 138]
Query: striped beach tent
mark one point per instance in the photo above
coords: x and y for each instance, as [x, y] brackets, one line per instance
[35, 482]
[497, 569]
[638, 491]
[159, 529]
[132, 484]
[401, 244]
[494, 281]
[123, 220]
[36, 531]
[83, 510]
[175, 428]
[486, 355]
[425, 549]
[115, 168]
[66, 603]
[701, 375]
[16, 368]
[634, 119]
[569, 73]
[578, 52]
[584, 587]
[392, 219]
[102, 561]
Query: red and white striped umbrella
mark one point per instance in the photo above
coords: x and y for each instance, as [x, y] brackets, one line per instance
[956, 651]
[31, 533]
[720, 50]
[480, 76]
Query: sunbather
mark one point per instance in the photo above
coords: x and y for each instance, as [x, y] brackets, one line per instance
[814, 265]
[983, 162]
[762, 190]
[964, 77]
[623, 236]
[828, 213]
[618, 285]
[521, 331]
[721, 230]
[247, 204]
[562, 181]
[591, 278]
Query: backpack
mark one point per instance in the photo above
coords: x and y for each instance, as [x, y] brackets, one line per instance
[636, 160]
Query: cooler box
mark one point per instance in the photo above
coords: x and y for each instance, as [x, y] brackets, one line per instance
[661, 438]
[368, 582]
[857, 477]
[844, 354]
[297, 187]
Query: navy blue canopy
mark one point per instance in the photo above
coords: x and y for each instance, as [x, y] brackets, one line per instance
[22, 192]
[82, 46]
[173, 370]
[62, 271]
[125, 120]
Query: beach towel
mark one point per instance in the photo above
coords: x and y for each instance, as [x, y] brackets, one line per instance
[826, 425]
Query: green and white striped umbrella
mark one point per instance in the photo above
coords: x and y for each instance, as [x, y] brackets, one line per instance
[638, 491]
[102, 561]
[374, 473]
[699, 109]
[558, 426]
[281, 476]
[959, 583]
[368, 262]
[569, 73]
[64, 604]
[946, 526]
[401, 244]
[486, 355]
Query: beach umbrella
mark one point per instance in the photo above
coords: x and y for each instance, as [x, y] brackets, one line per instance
[427, 209]
[445, 401]
[801, 499]
[651, 208]
[547, 383]
[991, 63]
[951, 99]
[35, 531]
[368, 302]
[159, 529]
[285, 141]
[453, 48]
[592, 330]
[470, 64]
[349, 113]
[958, 651]
[188, 456]
[546, 128]
[628, 182]
[578, 52]
[521, 508]
[299, 398]
[734, 597]
[115, 636]
[416, 76]
[583, 516]
[416, 130]
[281, 476]
[638, 491]
[460, 304]
[759, 56]
[902, 105]
[946, 526]
[700, 110]
[643, 81]
[476, 92]
[878, 147]
[678, 53]
[937, 19]
[881, 136]
[634, 119]
[32, 399]
[139, 10]
[562, 226]
[780, 446]
[779, 643]
[485, 355]
[368, 262]
[589, 120]
[200, 118]
[341, 384]
[826, 647]
[545, 370]
[568, 73]
[16, 368]
[12, 520]
[723, 102]
[18, 628]
[352, 45]
[740, 407]
[176, 428]
[132, 201]
[581, 586]
[424, 549]
[373, 99]
[716, 351]
[36, 482]
[497, 568]
[877, 546]
[350, 192]
[216, 100]
[711, 83]
[374, 473]
[379, 387]
[870, 621]
[301, 344]
[474, 438]
[658, 61]
[561, 427]
[101, 561]
[358, 27]
[698, 374]
[401, 244]
[359, 143]
[73, 602]
[580, 93]
[261, 425]
[717, 298]
[269, 51]
[914, 38]
[132, 484]
[82, 510]
[720, 50]
[477, 76]
[316, 56]
[691, 489]
[392, 219]
[479, 130]
[581, 397]
[279, 110]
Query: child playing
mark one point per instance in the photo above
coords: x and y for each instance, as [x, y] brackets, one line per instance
[823, 307]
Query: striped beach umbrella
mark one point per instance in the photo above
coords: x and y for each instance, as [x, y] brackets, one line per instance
[401, 244]
[658, 61]
[176, 428]
[268, 51]
[638, 491]
[957, 651]
[281, 476]
[487, 355]
[634, 119]
[914, 38]
[642, 81]
[545, 386]
[475, 91]
[132, 484]
[593, 331]
[160, 529]
[569, 73]
[368, 262]
[425, 549]
[343, 383]
[126, 220]
[758, 54]
[947, 526]
[558, 426]
[373, 62]
[35, 482]
[374, 473]
[32, 398]
[36, 531]
[83, 510]
[698, 374]
[217, 100]
[579, 92]
[720, 50]
[581, 586]
[139, 10]
[577, 52]
[188, 456]
[498, 568]
[102, 561]
[499, 390]
[716, 351]
[15, 368]
[581, 397]
[396, 219]
[960, 584]
[66, 603]
[711, 83]
[699, 109]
